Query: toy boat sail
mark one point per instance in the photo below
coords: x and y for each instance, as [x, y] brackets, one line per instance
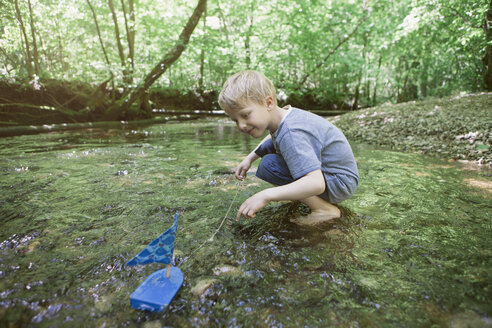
[158, 289]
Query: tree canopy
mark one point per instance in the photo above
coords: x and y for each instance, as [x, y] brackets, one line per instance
[356, 52]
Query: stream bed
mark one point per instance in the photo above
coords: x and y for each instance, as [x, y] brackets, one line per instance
[413, 248]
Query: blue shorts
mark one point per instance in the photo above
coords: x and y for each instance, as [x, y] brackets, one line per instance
[273, 169]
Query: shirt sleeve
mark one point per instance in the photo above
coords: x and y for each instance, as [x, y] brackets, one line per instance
[301, 151]
[266, 147]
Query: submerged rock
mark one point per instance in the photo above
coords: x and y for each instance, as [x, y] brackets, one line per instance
[152, 324]
[332, 232]
[103, 304]
[228, 270]
[201, 287]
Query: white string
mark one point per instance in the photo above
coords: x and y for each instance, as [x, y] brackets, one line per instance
[225, 216]
[223, 220]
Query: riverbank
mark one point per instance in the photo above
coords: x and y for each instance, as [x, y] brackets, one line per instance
[455, 128]
[50, 102]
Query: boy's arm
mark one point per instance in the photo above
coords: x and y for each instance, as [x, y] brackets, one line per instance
[312, 184]
[241, 170]
[268, 136]
[243, 167]
[265, 146]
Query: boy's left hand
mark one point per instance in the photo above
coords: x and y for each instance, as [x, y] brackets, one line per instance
[253, 204]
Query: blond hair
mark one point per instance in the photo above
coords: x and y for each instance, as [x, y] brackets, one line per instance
[245, 87]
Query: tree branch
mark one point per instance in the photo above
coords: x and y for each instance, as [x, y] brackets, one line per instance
[465, 18]
[23, 31]
[117, 32]
[99, 33]
[170, 57]
[330, 53]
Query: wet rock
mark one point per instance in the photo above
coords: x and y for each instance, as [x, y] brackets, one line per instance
[178, 253]
[369, 282]
[32, 246]
[78, 241]
[103, 305]
[227, 270]
[48, 313]
[97, 242]
[272, 265]
[469, 319]
[332, 232]
[152, 324]
[201, 287]
[34, 284]
[17, 241]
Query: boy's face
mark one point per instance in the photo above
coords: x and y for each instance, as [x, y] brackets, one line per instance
[254, 119]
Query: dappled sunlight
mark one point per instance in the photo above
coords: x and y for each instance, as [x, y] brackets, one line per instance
[481, 184]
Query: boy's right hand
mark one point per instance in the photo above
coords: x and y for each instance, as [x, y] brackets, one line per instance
[242, 169]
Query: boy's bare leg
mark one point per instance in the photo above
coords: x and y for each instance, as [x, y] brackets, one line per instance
[321, 211]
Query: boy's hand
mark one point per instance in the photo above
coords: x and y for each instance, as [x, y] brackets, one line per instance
[241, 170]
[253, 204]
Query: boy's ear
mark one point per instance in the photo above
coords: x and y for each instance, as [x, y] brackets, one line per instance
[269, 102]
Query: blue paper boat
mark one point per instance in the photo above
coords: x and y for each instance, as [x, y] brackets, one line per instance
[158, 289]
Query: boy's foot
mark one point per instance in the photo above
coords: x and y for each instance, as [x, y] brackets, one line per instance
[317, 217]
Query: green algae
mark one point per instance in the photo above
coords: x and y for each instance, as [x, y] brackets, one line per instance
[414, 247]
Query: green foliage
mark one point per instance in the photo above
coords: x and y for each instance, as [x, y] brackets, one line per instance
[404, 50]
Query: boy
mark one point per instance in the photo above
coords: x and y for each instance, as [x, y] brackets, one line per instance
[305, 157]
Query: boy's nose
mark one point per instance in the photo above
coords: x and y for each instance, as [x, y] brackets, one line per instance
[242, 126]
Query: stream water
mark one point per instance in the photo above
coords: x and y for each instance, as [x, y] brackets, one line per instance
[413, 249]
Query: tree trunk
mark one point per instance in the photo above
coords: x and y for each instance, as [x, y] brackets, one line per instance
[223, 20]
[121, 107]
[487, 59]
[130, 36]
[131, 41]
[402, 96]
[374, 91]
[29, 68]
[61, 58]
[117, 32]
[247, 41]
[355, 104]
[102, 47]
[99, 33]
[118, 41]
[424, 79]
[34, 43]
[202, 52]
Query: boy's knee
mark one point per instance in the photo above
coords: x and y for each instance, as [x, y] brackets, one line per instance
[265, 167]
[339, 187]
[273, 169]
[270, 161]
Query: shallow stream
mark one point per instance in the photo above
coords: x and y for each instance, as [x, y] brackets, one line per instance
[413, 248]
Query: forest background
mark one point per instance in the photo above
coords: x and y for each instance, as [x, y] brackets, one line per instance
[108, 59]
